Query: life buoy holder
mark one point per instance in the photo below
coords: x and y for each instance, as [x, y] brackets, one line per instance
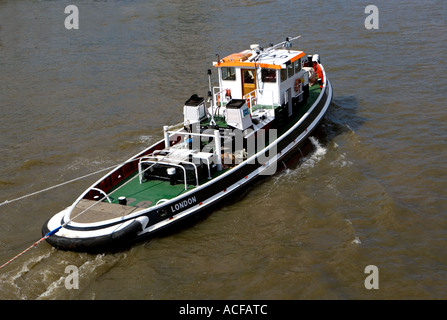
[298, 85]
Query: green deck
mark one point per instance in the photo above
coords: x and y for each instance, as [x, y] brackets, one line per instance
[147, 193]
[314, 92]
[150, 192]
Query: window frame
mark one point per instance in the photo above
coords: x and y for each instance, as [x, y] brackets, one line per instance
[284, 75]
[298, 66]
[267, 73]
[290, 70]
[228, 70]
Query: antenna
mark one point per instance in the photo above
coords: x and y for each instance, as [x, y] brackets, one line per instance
[210, 98]
[286, 44]
[209, 81]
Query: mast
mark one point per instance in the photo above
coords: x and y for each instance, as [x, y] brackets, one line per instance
[287, 44]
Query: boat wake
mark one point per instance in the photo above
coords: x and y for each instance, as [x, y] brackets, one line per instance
[304, 166]
[87, 271]
[43, 277]
[341, 161]
[14, 282]
[306, 163]
[316, 156]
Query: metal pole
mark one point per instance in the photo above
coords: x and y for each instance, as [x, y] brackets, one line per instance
[218, 149]
[166, 134]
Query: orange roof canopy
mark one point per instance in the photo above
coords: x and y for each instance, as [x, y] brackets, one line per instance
[240, 60]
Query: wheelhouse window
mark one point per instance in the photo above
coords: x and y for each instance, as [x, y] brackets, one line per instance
[228, 73]
[283, 74]
[268, 75]
[290, 70]
[297, 65]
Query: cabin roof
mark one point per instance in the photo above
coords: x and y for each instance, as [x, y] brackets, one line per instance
[272, 59]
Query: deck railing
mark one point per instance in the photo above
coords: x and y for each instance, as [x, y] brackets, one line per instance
[170, 164]
[216, 136]
[253, 96]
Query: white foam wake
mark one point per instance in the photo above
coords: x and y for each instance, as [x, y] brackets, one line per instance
[14, 279]
[316, 156]
[306, 163]
[87, 271]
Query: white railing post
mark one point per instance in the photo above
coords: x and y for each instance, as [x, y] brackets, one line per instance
[166, 134]
[218, 150]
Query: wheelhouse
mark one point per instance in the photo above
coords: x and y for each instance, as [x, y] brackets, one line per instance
[263, 77]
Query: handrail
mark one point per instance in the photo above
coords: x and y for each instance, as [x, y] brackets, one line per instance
[218, 93]
[217, 148]
[170, 164]
[195, 134]
[249, 97]
[105, 194]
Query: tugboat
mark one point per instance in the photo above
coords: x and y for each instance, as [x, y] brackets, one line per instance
[267, 104]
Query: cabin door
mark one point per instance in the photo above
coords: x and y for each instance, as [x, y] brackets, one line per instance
[248, 81]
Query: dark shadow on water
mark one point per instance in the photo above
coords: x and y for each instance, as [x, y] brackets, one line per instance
[342, 117]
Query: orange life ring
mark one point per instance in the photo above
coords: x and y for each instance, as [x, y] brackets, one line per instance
[298, 85]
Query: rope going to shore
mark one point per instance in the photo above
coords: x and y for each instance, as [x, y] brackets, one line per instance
[70, 181]
[57, 185]
[49, 234]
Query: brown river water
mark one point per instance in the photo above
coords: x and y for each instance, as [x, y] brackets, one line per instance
[373, 192]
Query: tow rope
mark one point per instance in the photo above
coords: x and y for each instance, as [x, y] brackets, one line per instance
[49, 234]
